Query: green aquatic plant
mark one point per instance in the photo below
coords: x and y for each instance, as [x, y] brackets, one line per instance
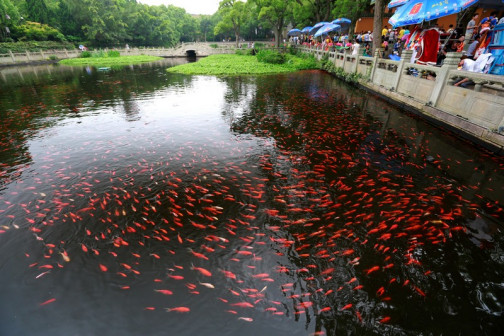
[109, 61]
[270, 56]
[222, 65]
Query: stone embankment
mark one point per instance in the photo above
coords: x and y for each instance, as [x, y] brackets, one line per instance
[475, 113]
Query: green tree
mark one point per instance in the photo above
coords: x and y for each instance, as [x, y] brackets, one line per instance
[37, 11]
[275, 13]
[314, 11]
[233, 14]
[9, 16]
[206, 25]
[350, 9]
[378, 23]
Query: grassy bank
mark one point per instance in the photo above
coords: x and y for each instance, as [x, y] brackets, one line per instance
[243, 65]
[109, 61]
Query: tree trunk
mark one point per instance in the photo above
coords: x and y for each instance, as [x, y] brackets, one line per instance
[377, 24]
[277, 37]
[237, 36]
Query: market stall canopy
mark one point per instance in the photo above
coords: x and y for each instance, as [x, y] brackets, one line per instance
[294, 32]
[326, 29]
[418, 11]
[318, 26]
[396, 3]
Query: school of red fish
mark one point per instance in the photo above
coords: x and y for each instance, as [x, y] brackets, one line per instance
[349, 211]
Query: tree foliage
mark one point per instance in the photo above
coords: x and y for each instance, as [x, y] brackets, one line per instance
[9, 16]
[117, 22]
[105, 22]
[275, 14]
[37, 11]
[233, 15]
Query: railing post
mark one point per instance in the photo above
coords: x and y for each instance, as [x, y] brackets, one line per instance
[12, 56]
[28, 55]
[344, 59]
[450, 63]
[405, 58]
[357, 61]
[376, 57]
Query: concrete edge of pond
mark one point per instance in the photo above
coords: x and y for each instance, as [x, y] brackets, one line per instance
[41, 62]
[460, 127]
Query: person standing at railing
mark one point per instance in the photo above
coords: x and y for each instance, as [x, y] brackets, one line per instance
[472, 48]
[471, 26]
[355, 48]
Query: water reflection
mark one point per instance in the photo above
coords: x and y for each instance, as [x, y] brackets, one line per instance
[282, 205]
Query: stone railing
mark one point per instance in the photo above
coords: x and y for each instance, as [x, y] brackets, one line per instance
[477, 111]
[42, 55]
[180, 50]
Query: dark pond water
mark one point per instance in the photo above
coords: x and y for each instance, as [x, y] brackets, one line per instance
[136, 202]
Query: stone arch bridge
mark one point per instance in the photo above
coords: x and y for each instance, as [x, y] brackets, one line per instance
[193, 49]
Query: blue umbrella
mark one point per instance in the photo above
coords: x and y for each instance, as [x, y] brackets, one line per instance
[306, 30]
[318, 26]
[294, 32]
[342, 21]
[418, 11]
[396, 3]
[324, 30]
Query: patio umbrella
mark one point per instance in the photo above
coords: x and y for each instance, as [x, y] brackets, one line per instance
[343, 22]
[318, 26]
[396, 3]
[326, 29]
[418, 11]
[294, 32]
[306, 30]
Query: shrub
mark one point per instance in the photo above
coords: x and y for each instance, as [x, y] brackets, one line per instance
[214, 45]
[85, 54]
[53, 58]
[259, 45]
[33, 46]
[113, 53]
[302, 61]
[269, 56]
[35, 31]
[99, 54]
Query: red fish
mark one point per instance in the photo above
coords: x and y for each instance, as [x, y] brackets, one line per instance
[372, 269]
[202, 271]
[47, 302]
[164, 291]
[348, 306]
[178, 309]
[243, 305]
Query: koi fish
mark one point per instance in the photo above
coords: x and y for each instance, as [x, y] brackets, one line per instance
[202, 271]
[178, 309]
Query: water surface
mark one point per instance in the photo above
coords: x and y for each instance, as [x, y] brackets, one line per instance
[275, 205]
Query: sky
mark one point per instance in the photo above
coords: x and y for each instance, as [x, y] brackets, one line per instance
[191, 6]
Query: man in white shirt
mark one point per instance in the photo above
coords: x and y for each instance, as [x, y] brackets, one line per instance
[465, 64]
[355, 48]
